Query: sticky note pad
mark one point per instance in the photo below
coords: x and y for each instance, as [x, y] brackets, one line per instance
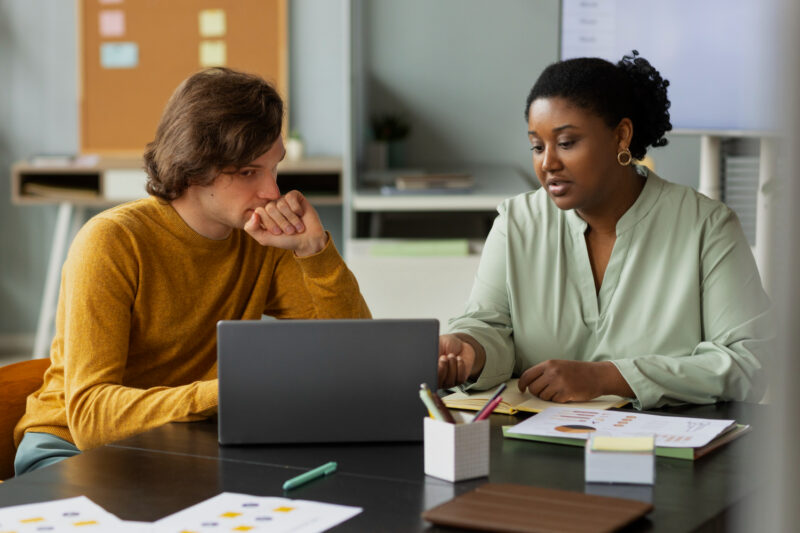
[112, 23]
[623, 444]
[213, 54]
[119, 55]
[212, 23]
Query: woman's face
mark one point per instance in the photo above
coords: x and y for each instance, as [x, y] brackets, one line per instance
[574, 153]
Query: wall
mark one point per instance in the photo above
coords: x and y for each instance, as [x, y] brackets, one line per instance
[38, 114]
[460, 71]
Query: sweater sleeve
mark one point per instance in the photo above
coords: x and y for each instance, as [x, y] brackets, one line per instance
[736, 326]
[98, 288]
[316, 286]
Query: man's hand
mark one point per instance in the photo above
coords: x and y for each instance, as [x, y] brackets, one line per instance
[457, 361]
[558, 380]
[289, 222]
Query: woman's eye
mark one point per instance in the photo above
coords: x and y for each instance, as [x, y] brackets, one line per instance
[566, 144]
[536, 149]
[247, 173]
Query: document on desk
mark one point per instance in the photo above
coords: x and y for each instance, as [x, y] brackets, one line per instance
[669, 431]
[240, 512]
[70, 514]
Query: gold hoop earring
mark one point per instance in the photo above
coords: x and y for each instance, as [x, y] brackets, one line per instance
[624, 157]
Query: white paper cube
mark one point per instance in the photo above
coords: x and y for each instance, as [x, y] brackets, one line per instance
[455, 452]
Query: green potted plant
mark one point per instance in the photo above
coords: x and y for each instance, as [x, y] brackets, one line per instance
[389, 130]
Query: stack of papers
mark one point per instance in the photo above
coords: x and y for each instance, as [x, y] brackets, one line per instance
[675, 436]
[620, 459]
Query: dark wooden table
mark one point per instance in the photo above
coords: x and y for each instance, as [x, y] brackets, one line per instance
[157, 473]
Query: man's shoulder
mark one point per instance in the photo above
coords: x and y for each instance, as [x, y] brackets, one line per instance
[122, 223]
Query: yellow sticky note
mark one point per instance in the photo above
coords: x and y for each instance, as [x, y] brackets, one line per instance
[623, 444]
[85, 523]
[230, 514]
[212, 23]
[243, 528]
[213, 54]
[31, 520]
[283, 509]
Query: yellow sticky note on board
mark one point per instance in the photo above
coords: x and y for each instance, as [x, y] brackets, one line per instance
[212, 23]
[213, 54]
[623, 444]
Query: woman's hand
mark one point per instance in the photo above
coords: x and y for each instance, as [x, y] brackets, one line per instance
[291, 223]
[561, 381]
[457, 361]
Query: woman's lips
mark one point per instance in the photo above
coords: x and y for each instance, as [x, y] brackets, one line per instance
[557, 187]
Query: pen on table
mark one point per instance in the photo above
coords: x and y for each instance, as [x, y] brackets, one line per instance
[314, 473]
[489, 406]
[433, 411]
[443, 410]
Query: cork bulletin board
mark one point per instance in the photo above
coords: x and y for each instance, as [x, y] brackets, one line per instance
[134, 53]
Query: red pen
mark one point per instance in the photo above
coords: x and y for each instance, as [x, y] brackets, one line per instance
[488, 409]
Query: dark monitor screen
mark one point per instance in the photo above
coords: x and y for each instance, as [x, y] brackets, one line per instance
[719, 55]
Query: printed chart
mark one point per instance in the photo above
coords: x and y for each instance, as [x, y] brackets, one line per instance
[669, 431]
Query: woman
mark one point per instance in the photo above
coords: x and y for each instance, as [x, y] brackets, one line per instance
[608, 279]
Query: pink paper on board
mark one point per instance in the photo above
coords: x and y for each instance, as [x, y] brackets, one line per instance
[112, 23]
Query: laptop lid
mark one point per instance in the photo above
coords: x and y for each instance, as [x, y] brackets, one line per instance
[303, 381]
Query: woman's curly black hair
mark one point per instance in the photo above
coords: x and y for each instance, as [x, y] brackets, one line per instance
[632, 88]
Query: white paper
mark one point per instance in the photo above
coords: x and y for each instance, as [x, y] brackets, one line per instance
[71, 514]
[670, 431]
[228, 511]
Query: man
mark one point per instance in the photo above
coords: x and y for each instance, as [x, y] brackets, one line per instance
[145, 283]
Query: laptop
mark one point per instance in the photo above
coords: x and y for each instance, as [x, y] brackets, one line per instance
[307, 381]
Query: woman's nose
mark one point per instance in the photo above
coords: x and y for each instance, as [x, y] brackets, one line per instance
[550, 160]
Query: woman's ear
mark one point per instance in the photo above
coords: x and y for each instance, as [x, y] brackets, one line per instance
[624, 133]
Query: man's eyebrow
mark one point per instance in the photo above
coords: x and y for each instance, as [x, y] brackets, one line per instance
[555, 130]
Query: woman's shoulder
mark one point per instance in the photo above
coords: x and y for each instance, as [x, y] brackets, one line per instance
[687, 203]
[531, 205]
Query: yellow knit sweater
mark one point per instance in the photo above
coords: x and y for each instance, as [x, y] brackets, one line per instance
[141, 294]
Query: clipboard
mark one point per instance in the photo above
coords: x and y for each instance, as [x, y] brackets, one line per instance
[521, 508]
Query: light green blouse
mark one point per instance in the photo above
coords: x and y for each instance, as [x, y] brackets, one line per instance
[681, 311]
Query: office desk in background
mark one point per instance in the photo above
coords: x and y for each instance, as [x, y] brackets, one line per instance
[91, 182]
[151, 475]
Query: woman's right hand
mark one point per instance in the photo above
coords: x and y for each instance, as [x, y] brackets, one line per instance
[456, 361]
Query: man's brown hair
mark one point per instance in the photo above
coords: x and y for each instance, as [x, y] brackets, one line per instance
[216, 119]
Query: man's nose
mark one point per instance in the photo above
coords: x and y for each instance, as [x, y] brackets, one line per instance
[268, 188]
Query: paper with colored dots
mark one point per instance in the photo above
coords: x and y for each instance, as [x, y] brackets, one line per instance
[239, 512]
[71, 514]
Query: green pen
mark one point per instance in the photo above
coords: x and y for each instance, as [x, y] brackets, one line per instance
[302, 479]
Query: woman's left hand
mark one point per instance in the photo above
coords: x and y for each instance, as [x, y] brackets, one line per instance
[559, 380]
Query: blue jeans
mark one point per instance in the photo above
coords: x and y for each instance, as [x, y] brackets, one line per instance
[41, 449]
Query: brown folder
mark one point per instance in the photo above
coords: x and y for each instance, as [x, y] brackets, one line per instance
[509, 507]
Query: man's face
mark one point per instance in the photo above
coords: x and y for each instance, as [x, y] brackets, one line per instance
[235, 193]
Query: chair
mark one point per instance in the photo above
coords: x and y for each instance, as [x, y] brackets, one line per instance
[17, 381]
